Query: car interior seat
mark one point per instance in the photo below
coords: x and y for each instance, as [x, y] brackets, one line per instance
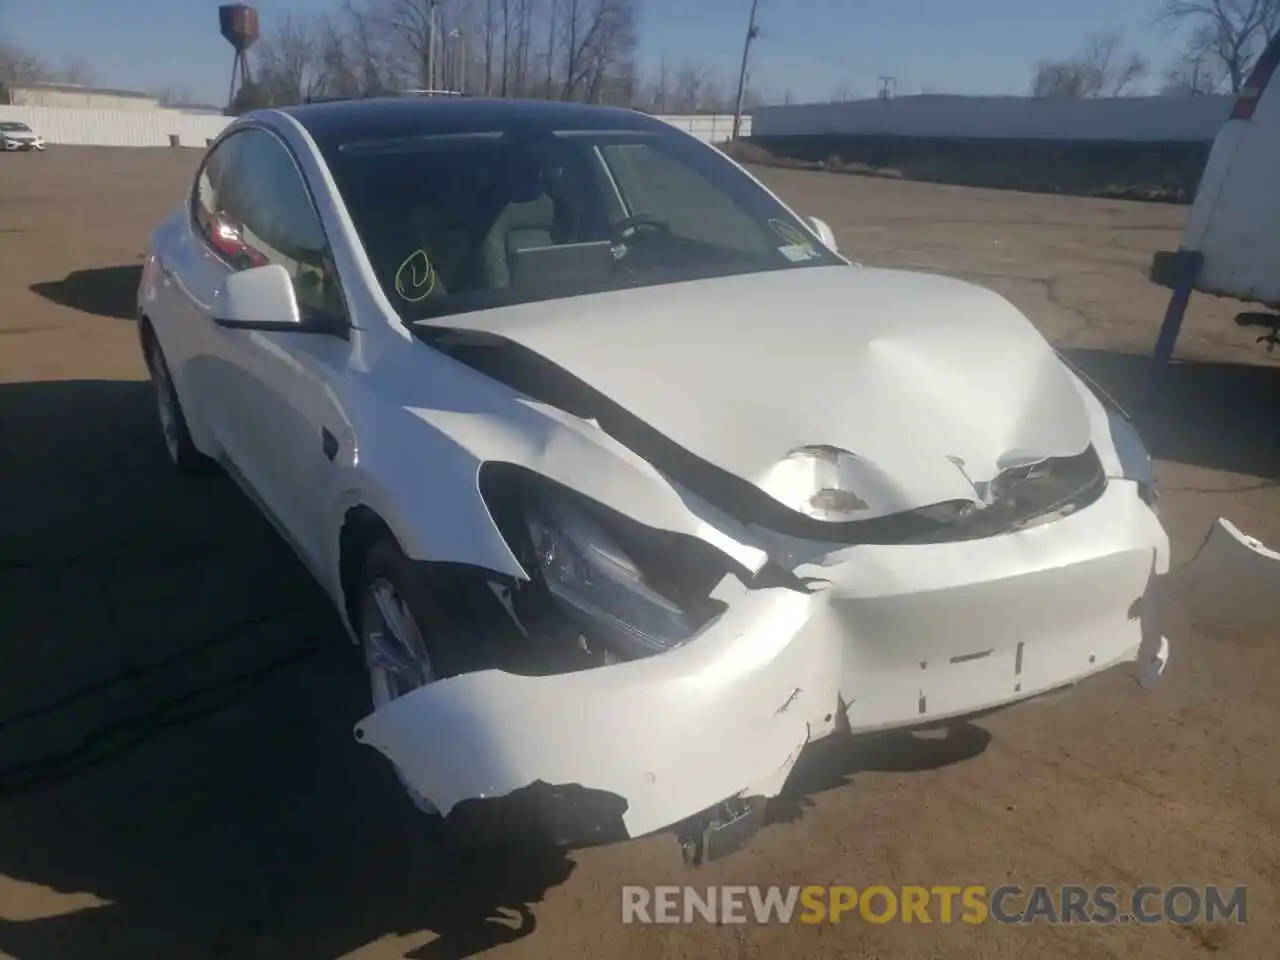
[528, 212]
[519, 226]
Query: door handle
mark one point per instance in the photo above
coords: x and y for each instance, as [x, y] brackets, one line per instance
[328, 443]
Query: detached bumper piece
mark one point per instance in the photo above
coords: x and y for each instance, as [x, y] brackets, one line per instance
[722, 830]
[1232, 583]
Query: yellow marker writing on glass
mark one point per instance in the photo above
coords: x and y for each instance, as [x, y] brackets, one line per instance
[416, 277]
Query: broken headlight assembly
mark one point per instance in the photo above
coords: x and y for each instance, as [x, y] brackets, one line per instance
[599, 586]
[1136, 463]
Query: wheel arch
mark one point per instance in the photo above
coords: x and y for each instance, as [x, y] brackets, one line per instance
[362, 527]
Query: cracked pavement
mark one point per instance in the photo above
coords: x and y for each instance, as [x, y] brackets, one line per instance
[177, 775]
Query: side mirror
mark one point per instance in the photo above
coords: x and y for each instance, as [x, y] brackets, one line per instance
[825, 234]
[260, 298]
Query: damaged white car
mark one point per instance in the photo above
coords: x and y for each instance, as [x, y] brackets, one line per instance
[628, 484]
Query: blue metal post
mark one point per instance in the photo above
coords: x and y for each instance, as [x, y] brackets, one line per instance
[1185, 269]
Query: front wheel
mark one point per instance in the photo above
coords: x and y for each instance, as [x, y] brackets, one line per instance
[408, 633]
[419, 625]
[184, 455]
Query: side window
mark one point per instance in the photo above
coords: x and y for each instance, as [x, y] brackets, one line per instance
[263, 214]
[206, 195]
[656, 185]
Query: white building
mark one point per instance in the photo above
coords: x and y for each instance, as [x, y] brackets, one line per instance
[74, 96]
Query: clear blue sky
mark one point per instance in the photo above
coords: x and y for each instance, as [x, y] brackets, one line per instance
[808, 46]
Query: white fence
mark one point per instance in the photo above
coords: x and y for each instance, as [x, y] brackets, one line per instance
[118, 128]
[157, 128]
[1122, 119]
[708, 127]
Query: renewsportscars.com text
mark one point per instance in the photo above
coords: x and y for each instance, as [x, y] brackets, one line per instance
[972, 904]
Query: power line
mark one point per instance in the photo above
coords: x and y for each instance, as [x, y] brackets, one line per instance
[829, 59]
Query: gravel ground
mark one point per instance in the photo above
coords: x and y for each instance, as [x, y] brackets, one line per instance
[178, 776]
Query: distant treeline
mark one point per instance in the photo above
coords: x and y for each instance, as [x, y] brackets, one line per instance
[1165, 172]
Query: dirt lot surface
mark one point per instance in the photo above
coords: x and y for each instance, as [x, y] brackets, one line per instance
[177, 775]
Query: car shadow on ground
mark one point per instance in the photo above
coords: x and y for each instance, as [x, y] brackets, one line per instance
[103, 291]
[833, 762]
[1222, 416]
[178, 776]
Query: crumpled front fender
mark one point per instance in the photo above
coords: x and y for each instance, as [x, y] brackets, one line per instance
[755, 673]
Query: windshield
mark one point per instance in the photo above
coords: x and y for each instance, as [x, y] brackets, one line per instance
[14, 126]
[465, 221]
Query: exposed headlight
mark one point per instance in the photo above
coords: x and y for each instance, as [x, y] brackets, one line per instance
[1136, 463]
[598, 585]
[826, 483]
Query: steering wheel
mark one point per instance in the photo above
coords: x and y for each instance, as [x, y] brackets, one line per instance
[628, 232]
[631, 227]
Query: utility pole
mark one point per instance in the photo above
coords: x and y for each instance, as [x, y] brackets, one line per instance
[432, 31]
[888, 87]
[460, 53]
[753, 31]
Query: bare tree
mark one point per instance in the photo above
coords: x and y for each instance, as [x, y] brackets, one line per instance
[599, 37]
[78, 71]
[505, 18]
[844, 91]
[688, 92]
[360, 56]
[352, 51]
[1101, 69]
[489, 31]
[715, 97]
[409, 24]
[1194, 75]
[20, 65]
[288, 63]
[552, 55]
[1230, 34]
[523, 46]
[173, 95]
[659, 93]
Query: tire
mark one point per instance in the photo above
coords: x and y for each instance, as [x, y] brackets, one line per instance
[443, 615]
[183, 454]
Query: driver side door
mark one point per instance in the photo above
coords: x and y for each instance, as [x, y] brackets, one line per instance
[267, 390]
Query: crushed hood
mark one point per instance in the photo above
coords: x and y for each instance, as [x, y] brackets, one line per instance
[937, 384]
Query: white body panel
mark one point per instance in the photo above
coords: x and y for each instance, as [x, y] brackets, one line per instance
[1235, 218]
[906, 370]
[902, 635]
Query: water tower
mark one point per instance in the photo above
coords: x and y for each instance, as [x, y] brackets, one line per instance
[239, 25]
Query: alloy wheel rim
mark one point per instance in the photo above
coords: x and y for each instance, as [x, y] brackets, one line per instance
[395, 655]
